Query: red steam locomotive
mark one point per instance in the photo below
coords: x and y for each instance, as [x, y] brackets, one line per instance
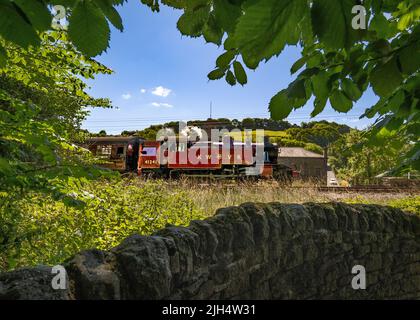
[210, 159]
[171, 159]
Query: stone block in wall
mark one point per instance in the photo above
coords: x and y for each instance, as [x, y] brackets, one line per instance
[143, 265]
[30, 284]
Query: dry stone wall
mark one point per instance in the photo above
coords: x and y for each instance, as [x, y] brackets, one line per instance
[254, 251]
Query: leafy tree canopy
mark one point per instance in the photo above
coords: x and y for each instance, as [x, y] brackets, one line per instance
[42, 104]
[358, 163]
[338, 62]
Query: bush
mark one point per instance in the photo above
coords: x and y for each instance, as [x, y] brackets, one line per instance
[289, 142]
[41, 230]
[409, 204]
[314, 148]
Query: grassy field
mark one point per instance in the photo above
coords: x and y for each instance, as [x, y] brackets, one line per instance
[239, 136]
[41, 230]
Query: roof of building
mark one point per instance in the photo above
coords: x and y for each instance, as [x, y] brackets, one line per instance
[110, 139]
[297, 152]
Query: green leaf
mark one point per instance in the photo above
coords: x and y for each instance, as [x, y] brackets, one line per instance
[306, 27]
[266, 27]
[331, 22]
[14, 27]
[297, 89]
[380, 48]
[280, 106]
[5, 167]
[212, 31]
[396, 101]
[111, 13]
[382, 26]
[37, 13]
[320, 85]
[88, 29]
[385, 78]
[350, 89]
[230, 78]
[152, 4]
[319, 106]
[240, 73]
[192, 22]
[340, 102]
[177, 4]
[372, 111]
[409, 17]
[3, 56]
[216, 74]
[226, 14]
[298, 64]
[409, 59]
[224, 59]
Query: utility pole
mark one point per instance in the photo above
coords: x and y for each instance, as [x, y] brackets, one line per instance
[211, 106]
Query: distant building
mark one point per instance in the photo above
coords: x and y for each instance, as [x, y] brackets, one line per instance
[310, 165]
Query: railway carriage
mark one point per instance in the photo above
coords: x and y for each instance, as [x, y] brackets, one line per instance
[115, 153]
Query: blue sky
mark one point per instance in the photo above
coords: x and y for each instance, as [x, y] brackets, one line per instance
[161, 76]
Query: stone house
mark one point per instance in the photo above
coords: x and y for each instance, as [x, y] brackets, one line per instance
[310, 165]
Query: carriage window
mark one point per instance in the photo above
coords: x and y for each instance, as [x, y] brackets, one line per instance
[120, 150]
[149, 152]
[104, 150]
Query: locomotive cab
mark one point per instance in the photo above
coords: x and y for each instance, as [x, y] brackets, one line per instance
[147, 159]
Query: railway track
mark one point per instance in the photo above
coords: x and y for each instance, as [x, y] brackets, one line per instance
[358, 189]
[261, 184]
[365, 189]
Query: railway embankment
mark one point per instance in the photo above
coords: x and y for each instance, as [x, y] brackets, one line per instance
[252, 251]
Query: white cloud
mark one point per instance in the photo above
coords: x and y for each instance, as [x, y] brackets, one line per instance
[143, 90]
[126, 96]
[161, 91]
[164, 105]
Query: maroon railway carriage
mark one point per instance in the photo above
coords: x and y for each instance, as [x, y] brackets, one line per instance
[117, 153]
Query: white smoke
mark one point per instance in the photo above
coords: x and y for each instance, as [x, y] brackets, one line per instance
[191, 132]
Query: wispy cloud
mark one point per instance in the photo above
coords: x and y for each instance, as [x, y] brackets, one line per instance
[162, 105]
[143, 90]
[126, 96]
[161, 91]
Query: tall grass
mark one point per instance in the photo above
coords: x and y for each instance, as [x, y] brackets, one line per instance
[209, 196]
